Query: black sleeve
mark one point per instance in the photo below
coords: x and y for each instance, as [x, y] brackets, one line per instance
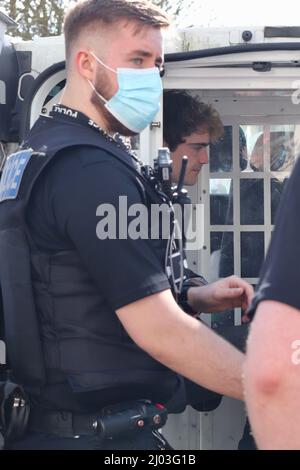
[197, 277]
[279, 279]
[125, 270]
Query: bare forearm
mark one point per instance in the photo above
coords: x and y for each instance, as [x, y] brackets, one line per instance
[274, 414]
[272, 379]
[184, 344]
[203, 357]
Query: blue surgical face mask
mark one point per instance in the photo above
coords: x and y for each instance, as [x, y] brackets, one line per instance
[137, 101]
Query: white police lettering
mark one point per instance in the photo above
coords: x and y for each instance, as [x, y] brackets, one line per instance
[93, 124]
[2, 353]
[12, 174]
[2, 92]
[66, 111]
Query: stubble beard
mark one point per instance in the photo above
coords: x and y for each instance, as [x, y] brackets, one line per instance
[113, 125]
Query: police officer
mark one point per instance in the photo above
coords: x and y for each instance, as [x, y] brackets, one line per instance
[272, 379]
[110, 330]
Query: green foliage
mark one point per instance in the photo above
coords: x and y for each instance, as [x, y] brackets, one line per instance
[174, 7]
[36, 18]
[40, 18]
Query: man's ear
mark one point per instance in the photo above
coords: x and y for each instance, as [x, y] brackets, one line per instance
[86, 66]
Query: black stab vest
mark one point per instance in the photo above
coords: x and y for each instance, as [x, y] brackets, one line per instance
[57, 325]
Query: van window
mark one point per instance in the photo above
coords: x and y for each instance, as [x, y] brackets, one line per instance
[248, 170]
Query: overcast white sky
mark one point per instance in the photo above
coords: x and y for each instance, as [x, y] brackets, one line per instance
[242, 13]
[239, 13]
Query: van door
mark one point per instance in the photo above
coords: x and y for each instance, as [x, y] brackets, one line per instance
[255, 91]
[15, 82]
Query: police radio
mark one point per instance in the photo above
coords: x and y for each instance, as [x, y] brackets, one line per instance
[160, 177]
[163, 170]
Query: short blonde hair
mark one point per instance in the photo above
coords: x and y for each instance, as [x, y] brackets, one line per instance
[90, 12]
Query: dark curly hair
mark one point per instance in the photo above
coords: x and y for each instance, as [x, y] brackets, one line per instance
[184, 114]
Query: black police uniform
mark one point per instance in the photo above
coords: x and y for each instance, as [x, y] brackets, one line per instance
[77, 358]
[279, 277]
[79, 281]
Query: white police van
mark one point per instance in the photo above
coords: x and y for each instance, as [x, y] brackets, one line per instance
[252, 77]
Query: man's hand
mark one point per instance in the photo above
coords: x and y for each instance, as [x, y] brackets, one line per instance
[221, 295]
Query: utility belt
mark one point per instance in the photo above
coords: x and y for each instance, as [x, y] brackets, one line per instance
[111, 422]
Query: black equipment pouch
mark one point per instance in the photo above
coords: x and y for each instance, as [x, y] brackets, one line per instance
[14, 412]
[130, 417]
